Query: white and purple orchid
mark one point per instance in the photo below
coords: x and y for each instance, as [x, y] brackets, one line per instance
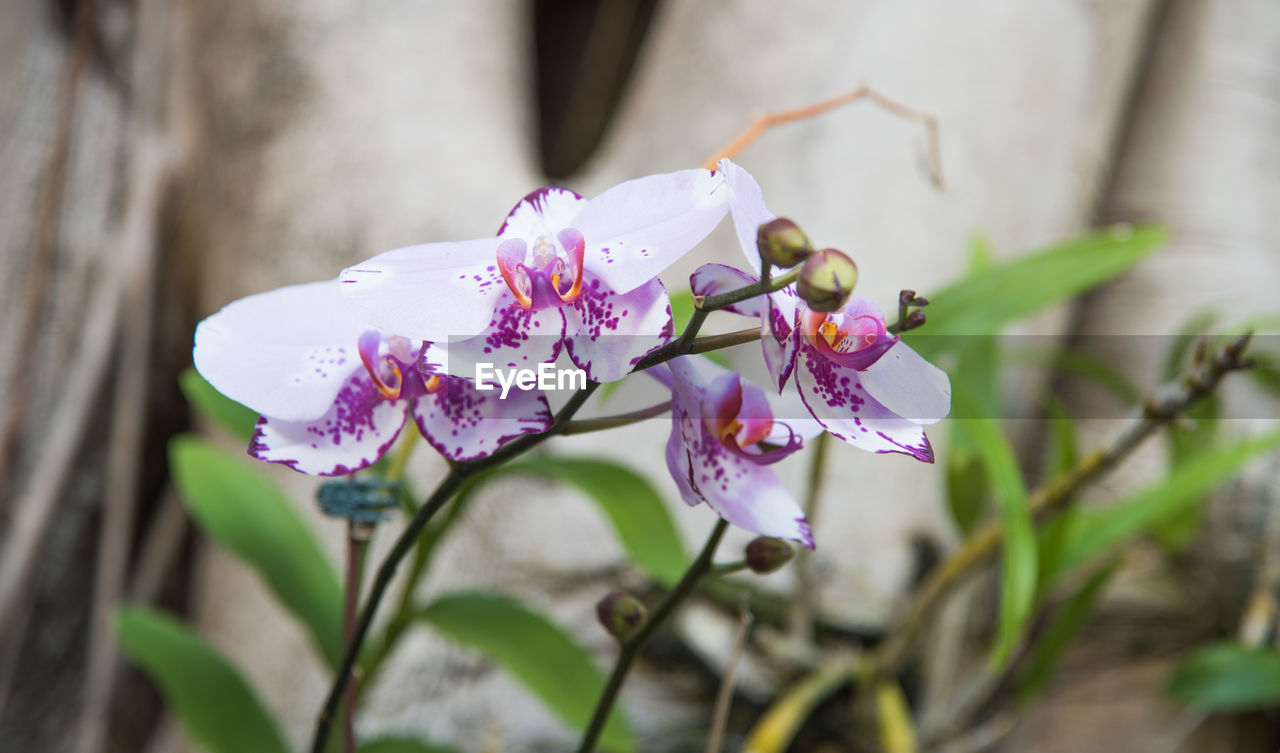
[863, 385]
[333, 393]
[723, 437]
[562, 272]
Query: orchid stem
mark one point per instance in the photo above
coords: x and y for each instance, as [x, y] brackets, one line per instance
[764, 287]
[800, 619]
[611, 422]
[727, 568]
[357, 539]
[459, 473]
[631, 647]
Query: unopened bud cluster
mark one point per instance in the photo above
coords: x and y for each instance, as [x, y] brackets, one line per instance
[827, 277]
[910, 320]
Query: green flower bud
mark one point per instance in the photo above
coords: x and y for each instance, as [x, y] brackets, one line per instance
[621, 614]
[782, 243]
[766, 554]
[827, 280]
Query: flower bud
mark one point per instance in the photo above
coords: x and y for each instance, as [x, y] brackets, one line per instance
[621, 614]
[782, 243]
[915, 320]
[766, 554]
[827, 279]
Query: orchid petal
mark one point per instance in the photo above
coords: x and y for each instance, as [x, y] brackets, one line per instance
[464, 423]
[638, 228]
[714, 279]
[779, 335]
[836, 398]
[429, 292]
[544, 212]
[607, 333]
[286, 353]
[357, 430]
[742, 492]
[515, 338]
[908, 385]
[746, 206]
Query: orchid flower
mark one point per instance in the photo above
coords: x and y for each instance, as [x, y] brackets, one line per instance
[562, 271]
[334, 394]
[866, 387]
[723, 437]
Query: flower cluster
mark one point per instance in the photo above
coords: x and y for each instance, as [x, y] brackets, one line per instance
[337, 368]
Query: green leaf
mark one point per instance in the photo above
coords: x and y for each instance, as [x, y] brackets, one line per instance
[1064, 448]
[1062, 630]
[247, 515]
[1175, 359]
[1186, 443]
[1092, 532]
[1078, 363]
[1228, 677]
[967, 490]
[985, 302]
[633, 506]
[1019, 577]
[681, 309]
[535, 651]
[216, 407]
[402, 745]
[778, 725]
[216, 706]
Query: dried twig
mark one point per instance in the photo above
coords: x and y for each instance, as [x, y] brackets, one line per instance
[715, 742]
[984, 546]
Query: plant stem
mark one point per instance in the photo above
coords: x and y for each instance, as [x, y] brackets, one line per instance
[631, 647]
[766, 285]
[800, 616]
[460, 472]
[357, 538]
[612, 422]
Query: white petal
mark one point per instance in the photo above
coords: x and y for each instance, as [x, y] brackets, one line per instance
[746, 206]
[606, 334]
[285, 353]
[638, 228]
[429, 292]
[902, 381]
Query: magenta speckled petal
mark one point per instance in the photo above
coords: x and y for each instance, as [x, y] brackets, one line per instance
[429, 292]
[779, 335]
[638, 228]
[836, 398]
[606, 333]
[514, 339]
[356, 431]
[464, 423]
[286, 353]
[740, 490]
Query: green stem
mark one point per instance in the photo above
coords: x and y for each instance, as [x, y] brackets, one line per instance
[460, 472]
[612, 422]
[765, 286]
[631, 647]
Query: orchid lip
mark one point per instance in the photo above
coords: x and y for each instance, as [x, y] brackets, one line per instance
[397, 362]
[553, 279]
[855, 342]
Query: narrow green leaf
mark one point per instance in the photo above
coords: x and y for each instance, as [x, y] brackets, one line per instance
[217, 407]
[774, 731]
[1064, 448]
[681, 309]
[1095, 531]
[535, 651]
[216, 706]
[1186, 443]
[1175, 359]
[1019, 577]
[246, 514]
[633, 506]
[402, 745]
[985, 302]
[1062, 630]
[1088, 367]
[967, 490]
[1228, 677]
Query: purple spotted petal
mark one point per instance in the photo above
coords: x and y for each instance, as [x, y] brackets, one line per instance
[638, 228]
[429, 292]
[514, 339]
[286, 353]
[544, 212]
[740, 490]
[836, 398]
[714, 279]
[606, 333]
[779, 335]
[464, 423]
[357, 430]
[902, 381]
[746, 206]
